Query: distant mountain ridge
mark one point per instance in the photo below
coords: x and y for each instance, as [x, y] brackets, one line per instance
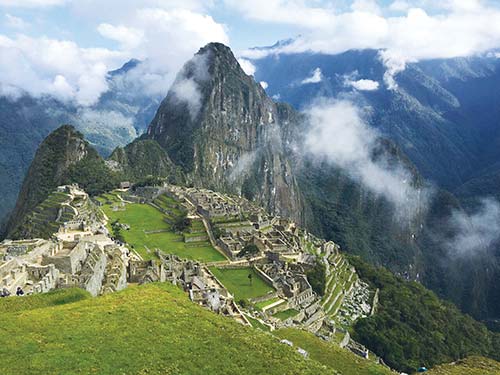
[443, 115]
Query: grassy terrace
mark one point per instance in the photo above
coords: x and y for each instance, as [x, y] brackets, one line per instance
[263, 304]
[238, 283]
[149, 329]
[285, 314]
[149, 231]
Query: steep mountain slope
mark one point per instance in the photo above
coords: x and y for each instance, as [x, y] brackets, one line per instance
[413, 327]
[444, 116]
[143, 158]
[63, 157]
[23, 126]
[220, 127]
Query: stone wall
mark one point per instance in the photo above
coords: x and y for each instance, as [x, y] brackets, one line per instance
[93, 271]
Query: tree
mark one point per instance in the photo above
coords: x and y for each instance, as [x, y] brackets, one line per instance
[249, 250]
[181, 224]
[317, 278]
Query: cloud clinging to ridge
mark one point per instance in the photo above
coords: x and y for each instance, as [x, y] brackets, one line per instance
[408, 30]
[339, 135]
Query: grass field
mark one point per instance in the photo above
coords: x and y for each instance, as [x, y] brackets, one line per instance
[144, 219]
[332, 355]
[468, 366]
[149, 329]
[238, 283]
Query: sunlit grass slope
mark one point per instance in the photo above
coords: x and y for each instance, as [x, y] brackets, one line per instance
[151, 329]
[331, 355]
[469, 366]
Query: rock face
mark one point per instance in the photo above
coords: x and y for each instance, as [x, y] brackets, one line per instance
[226, 134]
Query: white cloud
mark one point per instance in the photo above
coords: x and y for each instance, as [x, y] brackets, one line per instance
[453, 28]
[339, 135]
[364, 85]
[15, 22]
[475, 232]
[164, 35]
[43, 66]
[128, 37]
[264, 84]
[315, 77]
[164, 39]
[247, 66]
[186, 86]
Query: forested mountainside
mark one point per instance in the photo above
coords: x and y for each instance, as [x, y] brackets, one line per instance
[64, 157]
[410, 325]
[234, 138]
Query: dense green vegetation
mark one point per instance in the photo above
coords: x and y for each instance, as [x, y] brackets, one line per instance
[413, 328]
[237, 281]
[339, 209]
[150, 329]
[149, 230]
[92, 175]
[41, 221]
[63, 157]
[144, 160]
[317, 278]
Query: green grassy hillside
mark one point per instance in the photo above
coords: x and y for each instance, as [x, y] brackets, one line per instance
[332, 355]
[151, 329]
[468, 366]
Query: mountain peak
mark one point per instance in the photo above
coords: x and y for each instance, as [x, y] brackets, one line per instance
[218, 124]
[216, 47]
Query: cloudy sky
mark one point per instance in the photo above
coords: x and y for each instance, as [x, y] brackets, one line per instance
[65, 47]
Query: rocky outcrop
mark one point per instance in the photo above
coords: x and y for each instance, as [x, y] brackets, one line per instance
[226, 134]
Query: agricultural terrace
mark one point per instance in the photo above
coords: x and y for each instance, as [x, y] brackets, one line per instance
[151, 229]
[238, 283]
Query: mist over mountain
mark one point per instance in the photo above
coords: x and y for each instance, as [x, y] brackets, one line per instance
[120, 115]
[443, 114]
